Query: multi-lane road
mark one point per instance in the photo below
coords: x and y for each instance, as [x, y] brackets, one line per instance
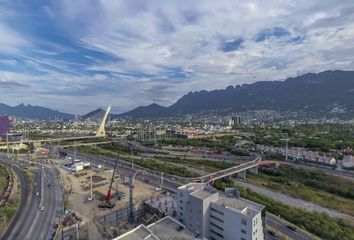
[40, 205]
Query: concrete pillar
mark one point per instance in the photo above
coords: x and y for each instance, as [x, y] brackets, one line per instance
[254, 170]
[242, 175]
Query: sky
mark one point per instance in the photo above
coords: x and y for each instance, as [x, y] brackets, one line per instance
[76, 56]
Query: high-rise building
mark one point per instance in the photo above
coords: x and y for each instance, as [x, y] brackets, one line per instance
[4, 125]
[235, 121]
[219, 216]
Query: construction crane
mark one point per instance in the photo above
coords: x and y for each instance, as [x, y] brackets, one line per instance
[107, 203]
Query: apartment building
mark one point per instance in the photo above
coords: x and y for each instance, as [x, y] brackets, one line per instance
[215, 215]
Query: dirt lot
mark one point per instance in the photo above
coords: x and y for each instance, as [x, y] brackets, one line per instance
[88, 210]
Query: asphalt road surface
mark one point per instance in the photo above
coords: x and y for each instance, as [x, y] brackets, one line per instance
[14, 230]
[282, 226]
[31, 222]
[51, 203]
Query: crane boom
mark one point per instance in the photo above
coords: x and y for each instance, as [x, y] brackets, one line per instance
[108, 197]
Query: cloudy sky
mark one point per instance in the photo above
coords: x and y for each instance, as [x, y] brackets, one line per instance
[75, 56]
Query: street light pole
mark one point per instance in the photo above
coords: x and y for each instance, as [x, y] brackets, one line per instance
[161, 181]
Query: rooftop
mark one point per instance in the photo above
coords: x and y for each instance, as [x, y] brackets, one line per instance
[229, 200]
[165, 228]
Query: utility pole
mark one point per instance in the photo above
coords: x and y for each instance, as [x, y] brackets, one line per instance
[7, 143]
[161, 181]
[286, 139]
[91, 196]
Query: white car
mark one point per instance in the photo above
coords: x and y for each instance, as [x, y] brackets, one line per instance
[42, 208]
[37, 193]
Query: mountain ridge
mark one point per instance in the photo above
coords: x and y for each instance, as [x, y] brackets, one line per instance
[318, 92]
[33, 112]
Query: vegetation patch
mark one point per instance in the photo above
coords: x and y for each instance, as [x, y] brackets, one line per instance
[7, 212]
[313, 186]
[4, 174]
[147, 163]
[207, 165]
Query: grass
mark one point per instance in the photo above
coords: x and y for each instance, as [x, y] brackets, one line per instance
[207, 165]
[144, 162]
[317, 223]
[4, 173]
[7, 212]
[295, 183]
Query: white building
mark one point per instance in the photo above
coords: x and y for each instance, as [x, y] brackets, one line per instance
[348, 161]
[214, 215]
[165, 228]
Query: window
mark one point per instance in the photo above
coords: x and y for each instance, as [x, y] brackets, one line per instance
[243, 238]
[244, 222]
[216, 218]
[243, 231]
[218, 227]
[217, 211]
[181, 213]
[218, 234]
[181, 208]
[181, 201]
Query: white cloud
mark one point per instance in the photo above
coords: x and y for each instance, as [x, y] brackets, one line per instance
[151, 38]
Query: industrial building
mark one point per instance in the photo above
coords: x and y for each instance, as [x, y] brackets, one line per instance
[215, 215]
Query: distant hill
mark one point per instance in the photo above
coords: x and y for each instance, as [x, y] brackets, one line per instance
[97, 115]
[94, 115]
[33, 112]
[325, 92]
[152, 110]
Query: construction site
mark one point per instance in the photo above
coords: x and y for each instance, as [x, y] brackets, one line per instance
[103, 203]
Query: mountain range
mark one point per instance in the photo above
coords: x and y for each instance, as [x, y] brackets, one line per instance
[321, 93]
[325, 92]
[33, 112]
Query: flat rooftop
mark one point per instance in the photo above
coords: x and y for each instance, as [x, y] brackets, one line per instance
[240, 205]
[202, 193]
[163, 229]
[227, 200]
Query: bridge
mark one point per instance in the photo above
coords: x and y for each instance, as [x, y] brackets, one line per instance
[240, 170]
[101, 132]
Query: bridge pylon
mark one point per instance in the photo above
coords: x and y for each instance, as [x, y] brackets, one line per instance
[101, 132]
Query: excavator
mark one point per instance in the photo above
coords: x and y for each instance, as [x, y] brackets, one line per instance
[108, 203]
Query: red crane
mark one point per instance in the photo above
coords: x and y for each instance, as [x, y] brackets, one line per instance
[107, 203]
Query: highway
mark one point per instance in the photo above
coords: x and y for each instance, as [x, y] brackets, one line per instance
[24, 206]
[281, 226]
[30, 222]
[51, 201]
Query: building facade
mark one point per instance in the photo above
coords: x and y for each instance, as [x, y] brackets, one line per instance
[4, 125]
[214, 215]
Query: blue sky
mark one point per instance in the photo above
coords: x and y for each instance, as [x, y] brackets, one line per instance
[75, 56]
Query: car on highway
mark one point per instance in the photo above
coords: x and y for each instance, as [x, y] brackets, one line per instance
[272, 233]
[37, 193]
[291, 227]
[41, 208]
